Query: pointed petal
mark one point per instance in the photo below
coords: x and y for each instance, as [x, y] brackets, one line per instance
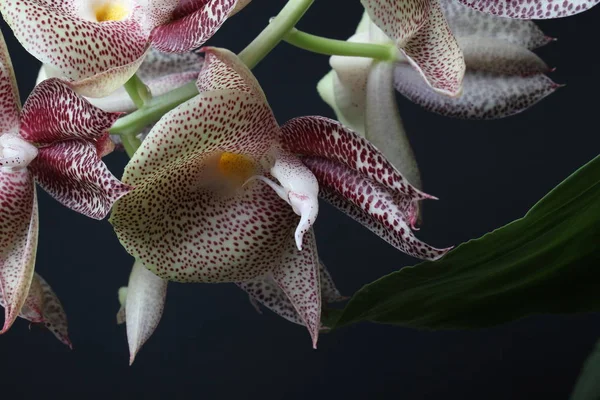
[502, 79]
[53, 112]
[146, 294]
[73, 173]
[10, 103]
[302, 191]
[323, 137]
[98, 57]
[435, 53]
[384, 127]
[329, 292]
[18, 243]
[182, 220]
[195, 21]
[387, 215]
[54, 317]
[298, 277]
[465, 21]
[531, 9]
[399, 19]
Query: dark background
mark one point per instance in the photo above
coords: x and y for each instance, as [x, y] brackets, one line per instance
[212, 344]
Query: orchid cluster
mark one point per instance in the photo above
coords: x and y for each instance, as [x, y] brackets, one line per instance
[216, 191]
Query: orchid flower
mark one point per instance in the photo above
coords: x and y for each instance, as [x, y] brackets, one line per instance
[143, 301]
[503, 77]
[223, 194]
[99, 44]
[43, 307]
[57, 140]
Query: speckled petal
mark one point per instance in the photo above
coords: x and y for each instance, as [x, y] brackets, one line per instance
[18, 243]
[10, 103]
[298, 276]
[502, 79]
[184, 221]
[531, 9]
[193, 23]
[72, 172]
[53, 112]
[388, 215]
[146, 294]
[399, 19]
[323, 137]
[465, 21]
[98, 57]
[384, 126]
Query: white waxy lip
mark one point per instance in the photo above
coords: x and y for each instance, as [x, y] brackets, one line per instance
[15, 152]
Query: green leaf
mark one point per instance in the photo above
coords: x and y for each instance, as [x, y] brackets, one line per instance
[545, 262]
[588, 384]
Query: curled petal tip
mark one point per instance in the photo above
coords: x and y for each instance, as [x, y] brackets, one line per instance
[307, 207]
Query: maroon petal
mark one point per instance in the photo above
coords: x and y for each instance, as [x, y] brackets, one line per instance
[323, 137]
[10, 104]
[53, 112]
[195, 21]
[18, 240]
[388, 215]
[73, 173]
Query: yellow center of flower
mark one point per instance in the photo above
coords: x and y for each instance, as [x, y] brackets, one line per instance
[236, 167]
[110, 11]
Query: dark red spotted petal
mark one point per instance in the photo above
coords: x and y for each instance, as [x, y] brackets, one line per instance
[298, 277]
[53, 112]
[146, 294]
[531, 9]
[195, 21]
[18, 240]
[98, 57]
[465, 21]
[263, 290]
[399, 19]
[73, 173]
[389, 216]
[502, 79]
[323, 137]
[10, 104]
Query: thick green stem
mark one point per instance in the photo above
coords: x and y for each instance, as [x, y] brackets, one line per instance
[274, 33]
[333, 47]
[131, 143]
[153, 110]
[138, 91]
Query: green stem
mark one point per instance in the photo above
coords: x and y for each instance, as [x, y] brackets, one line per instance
[131, 143]
[333, 47]
[274, 33]
[138, 91]
[153, 110]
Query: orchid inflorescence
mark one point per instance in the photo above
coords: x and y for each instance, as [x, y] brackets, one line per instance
[216, 190]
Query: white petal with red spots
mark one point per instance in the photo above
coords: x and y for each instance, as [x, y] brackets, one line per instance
[531, 9]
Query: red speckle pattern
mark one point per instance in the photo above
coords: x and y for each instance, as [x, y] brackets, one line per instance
[425, 39]
[10, 103]
[323, 137]
[531, 9]
[18, 240]
[387, 214]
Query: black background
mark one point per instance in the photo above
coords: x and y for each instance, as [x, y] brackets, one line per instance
[212, 344]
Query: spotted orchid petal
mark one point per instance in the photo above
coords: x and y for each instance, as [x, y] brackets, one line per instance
[72, 172]
[387, 214]
[323, 137]
[10, 104]
[502, 79]
[161, 72]
[96, 45]
[531, 9]
[193, 23]
[421, 32]
[195, 215]
[144, 304]
[264, 290]
[53, 112]
[465, 21]
[19, 235]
